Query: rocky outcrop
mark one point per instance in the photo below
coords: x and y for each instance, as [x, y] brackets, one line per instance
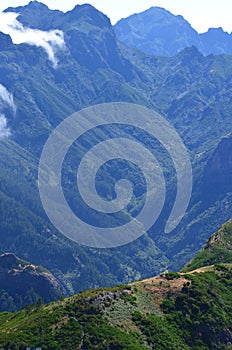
[221, 160]
[5, 42]
[20, 280]
[218, 170]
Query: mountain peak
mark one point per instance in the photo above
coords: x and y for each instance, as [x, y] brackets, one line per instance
[36, 15]
[151, 12]
[191, 52]
[215, 33]
[156, 31]
[157, 10]
[219, 29]
[37, 5]
[90, 14]
[32, 5]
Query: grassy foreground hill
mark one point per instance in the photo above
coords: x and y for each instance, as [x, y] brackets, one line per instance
[186, 310]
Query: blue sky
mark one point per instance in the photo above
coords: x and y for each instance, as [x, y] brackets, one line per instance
[202, 14]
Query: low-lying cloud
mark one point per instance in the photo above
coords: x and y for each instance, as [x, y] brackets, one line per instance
[6, 101]
[51, 41]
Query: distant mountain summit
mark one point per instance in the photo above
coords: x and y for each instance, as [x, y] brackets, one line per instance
[38, 15]
[157, 31]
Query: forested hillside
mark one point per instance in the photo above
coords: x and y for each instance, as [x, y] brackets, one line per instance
[192, 91]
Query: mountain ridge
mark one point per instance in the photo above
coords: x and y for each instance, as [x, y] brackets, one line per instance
[187, 310]
[191, 91]
[23, 283]
[217, 250]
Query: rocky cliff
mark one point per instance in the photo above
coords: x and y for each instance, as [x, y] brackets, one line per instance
[23, 283]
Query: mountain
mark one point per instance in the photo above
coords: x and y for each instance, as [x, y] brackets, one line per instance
[23, 283]
[191, 91]
[186, 310]
[219, 168]
[158, 32]
[218, 249]
[42, 17]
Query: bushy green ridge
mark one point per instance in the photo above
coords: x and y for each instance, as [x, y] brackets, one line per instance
[197, 315]
[217, 250]
[192, 91]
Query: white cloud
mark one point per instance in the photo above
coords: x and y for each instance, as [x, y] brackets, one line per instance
[4, 130]
[6, 100]
[50, 41]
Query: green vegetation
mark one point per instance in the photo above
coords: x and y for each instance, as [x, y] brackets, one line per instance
[203, 310]
[174, 311]
[197, 317]
[186, 310]
[190, 90]
[171, 275]
[218, 250]
[24, 284]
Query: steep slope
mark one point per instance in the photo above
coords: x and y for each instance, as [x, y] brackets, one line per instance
[210, 201]
[42, 17]
[157, 31]
[218, 170]
[218, 249]
[192, 91]
[172, 311]
[23, 283]
[45, 96]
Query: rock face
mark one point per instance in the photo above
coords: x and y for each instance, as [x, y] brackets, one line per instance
[219, 168]
[221, 161]
[5, 42]
[22, 283]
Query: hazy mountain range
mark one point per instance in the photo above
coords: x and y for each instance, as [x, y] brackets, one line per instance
[53, 64]
[43, 84]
